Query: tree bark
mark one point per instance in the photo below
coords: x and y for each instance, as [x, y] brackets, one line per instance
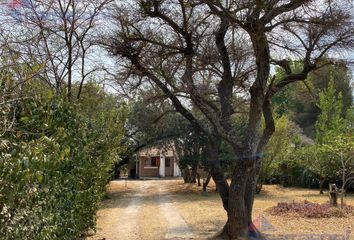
[251, 185]
[322, 180]
[186, 175]
[242, 190]
[194, 173]
[237, 223]
[333, 193]
[208, 179]
[212, 154]
[244, 178]
[198, 178]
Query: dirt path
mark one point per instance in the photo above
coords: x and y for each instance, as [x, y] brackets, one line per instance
[177, 228]
[140, 210]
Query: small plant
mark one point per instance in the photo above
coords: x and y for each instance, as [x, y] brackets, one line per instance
[310, 210]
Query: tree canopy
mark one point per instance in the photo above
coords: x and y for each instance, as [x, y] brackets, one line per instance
[216, 55]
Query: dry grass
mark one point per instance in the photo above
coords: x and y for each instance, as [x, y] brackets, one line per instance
[204, 213]
[149, 222]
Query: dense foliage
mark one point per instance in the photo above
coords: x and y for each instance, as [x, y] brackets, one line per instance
[206, 68]
[294, 159]
[300, 101]
[54, 165]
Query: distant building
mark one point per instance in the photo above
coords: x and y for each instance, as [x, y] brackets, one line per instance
[157, 161]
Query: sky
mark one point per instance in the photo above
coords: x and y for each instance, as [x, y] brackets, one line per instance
[16, 4]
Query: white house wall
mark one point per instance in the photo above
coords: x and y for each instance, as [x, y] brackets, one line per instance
[176, 170]
[162, 169]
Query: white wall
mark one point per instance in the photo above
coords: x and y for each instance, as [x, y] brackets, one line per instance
[176, 170]
[162, 169]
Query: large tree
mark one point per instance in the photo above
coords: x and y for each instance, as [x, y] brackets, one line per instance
[216, 56]
[54, 37]
[299, 101]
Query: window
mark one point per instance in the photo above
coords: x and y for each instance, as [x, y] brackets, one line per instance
[148, 162]
[168, 162]
[152, 162]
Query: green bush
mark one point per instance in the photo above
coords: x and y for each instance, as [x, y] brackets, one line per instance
[54, 166]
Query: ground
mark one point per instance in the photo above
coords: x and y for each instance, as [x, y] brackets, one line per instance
[170, 209]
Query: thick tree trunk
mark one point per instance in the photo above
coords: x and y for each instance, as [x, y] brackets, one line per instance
[254, 170]
[260, 181]
[221, 184]
[238, 197]
[208, 179]
[212, 154]
[240, 202]
[244, 179]
[237, 215]
[186, 175]
[190, 175]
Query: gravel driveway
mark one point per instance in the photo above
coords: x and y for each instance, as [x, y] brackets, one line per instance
[138, 210]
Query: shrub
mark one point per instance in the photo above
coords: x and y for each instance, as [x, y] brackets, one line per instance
[53, 170]
[310, 210]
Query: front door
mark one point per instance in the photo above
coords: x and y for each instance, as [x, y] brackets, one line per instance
[169, 167]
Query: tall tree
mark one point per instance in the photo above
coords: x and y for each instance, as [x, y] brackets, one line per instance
[299, 101]
[322, 158]
[210, 54]
[330, 122]
[58, 35]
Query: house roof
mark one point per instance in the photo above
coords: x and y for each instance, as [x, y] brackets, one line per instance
[166, 150]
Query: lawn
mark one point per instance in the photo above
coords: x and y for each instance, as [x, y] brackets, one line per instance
[204, 212]
[132, 210]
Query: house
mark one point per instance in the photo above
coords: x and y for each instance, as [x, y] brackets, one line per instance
[157, 161]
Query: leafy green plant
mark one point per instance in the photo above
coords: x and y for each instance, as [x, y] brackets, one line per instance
[278, 151]
[54, 169]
